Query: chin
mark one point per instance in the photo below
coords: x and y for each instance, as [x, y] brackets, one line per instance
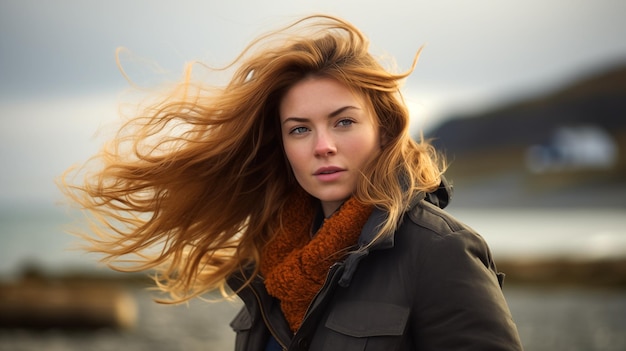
[333, 198]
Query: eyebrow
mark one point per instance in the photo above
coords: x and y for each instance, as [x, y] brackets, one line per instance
[330, 115]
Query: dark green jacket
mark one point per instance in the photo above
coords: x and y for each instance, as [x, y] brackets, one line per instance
[432, 286]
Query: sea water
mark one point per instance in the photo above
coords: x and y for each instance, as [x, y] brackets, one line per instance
[544, 233]
[36, 236]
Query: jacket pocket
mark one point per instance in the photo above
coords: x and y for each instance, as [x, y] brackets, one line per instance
[241, 324]
[359, 325]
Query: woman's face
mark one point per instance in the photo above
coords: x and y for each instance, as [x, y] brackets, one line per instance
[329, 134]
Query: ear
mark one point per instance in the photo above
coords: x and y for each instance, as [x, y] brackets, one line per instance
[384, 138]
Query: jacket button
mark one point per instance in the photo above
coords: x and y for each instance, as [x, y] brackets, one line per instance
[303, 344]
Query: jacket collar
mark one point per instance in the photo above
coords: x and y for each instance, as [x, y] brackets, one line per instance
[440, 197]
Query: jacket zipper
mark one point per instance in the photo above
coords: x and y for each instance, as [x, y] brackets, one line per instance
[265, 320]
[324, 287]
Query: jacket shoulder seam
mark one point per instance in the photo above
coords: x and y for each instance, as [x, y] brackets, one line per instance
[427, 215]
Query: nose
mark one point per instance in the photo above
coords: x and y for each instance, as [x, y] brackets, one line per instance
[324, 145]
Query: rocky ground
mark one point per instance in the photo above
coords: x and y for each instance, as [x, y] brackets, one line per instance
[548, 318]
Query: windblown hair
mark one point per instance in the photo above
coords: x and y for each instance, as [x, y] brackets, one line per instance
[192, 188]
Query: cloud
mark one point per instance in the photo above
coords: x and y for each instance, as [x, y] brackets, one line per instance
[65, 46]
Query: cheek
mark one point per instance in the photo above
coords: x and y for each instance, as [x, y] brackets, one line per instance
[292, 155]
[366, 147]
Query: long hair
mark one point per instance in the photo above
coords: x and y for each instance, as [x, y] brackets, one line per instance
[192, 188]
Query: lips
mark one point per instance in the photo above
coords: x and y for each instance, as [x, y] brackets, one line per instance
[329, 174]
[328, 170]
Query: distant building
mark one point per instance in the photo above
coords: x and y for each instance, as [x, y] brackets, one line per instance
[574, 148]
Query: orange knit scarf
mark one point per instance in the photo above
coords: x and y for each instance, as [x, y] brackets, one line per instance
[294, 265]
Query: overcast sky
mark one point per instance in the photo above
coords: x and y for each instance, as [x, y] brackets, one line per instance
[59, 81]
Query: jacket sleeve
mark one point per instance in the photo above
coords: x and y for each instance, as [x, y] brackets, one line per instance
[460, 304]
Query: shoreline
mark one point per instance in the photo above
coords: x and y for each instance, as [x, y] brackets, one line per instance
[599, 273]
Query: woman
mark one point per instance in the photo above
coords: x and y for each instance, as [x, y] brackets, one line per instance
[298, 187]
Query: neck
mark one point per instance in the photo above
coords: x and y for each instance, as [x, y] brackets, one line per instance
[330, 207]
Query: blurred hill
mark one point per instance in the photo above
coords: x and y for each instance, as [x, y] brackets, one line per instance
[564, 149]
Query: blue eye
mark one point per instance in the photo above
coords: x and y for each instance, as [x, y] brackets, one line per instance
[345, 122]
[299, 130]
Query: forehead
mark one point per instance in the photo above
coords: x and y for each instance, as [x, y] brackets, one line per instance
[314, 95]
